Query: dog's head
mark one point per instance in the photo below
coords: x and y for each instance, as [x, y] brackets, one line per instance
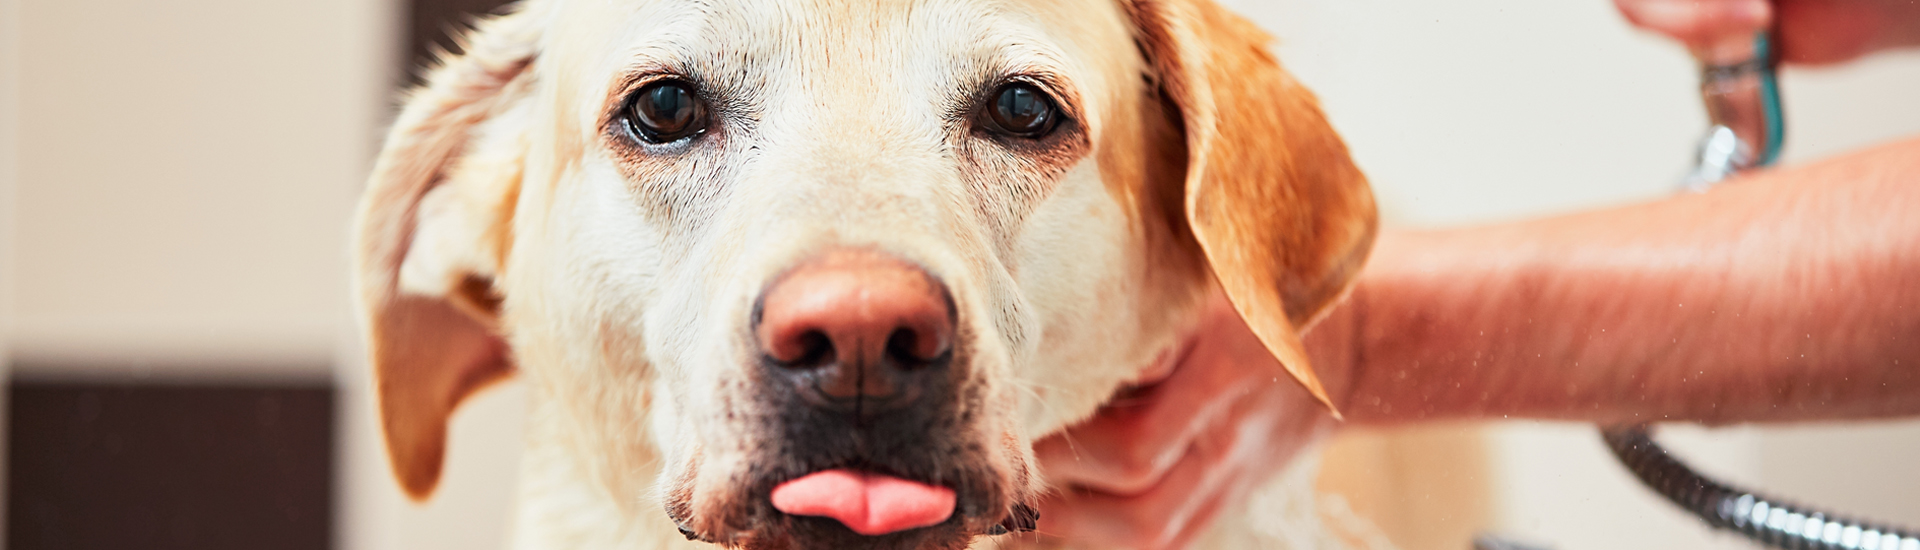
[752, 255]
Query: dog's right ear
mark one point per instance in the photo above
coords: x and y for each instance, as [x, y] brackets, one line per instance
[1281, 212]
[432, 233]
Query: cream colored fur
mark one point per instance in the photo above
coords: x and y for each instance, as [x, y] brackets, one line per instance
[621, 280]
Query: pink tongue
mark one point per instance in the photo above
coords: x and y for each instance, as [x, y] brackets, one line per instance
[869, 504]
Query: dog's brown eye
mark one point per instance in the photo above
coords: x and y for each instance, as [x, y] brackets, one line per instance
[1019, 109]
[667, 111]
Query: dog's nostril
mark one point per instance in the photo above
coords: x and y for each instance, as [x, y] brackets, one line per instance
[900, 346]
[908, 348]
[815, 350]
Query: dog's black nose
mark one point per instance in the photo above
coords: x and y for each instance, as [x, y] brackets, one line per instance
[859, 330]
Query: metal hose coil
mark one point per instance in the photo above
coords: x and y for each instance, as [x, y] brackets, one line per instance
[1760, 518]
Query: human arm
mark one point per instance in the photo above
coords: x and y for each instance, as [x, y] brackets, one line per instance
[1786, 295]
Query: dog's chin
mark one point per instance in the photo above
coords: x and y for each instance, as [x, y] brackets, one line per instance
[748, 519]
[800, 532]
[889, 470]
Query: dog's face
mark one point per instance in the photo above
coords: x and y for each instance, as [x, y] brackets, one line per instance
[746, 253]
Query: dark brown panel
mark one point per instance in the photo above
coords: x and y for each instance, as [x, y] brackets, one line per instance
[431, 22]
[169, 467]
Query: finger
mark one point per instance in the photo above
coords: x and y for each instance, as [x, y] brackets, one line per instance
[1202, 518]
[1698, 23]
[1164, 364]
[1129, 446]
[1147, 520]
[1213, 470]
[1269, 435]
[1825, 32]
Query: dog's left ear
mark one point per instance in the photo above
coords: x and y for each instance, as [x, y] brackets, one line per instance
[1283, 216]
[432, 234]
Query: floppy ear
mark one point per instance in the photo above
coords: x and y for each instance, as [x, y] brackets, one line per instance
[430, 236]
[1283, 216]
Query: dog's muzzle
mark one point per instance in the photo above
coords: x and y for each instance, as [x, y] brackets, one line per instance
[874, 437]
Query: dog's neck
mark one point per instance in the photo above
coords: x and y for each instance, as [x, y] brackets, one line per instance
[561, 504]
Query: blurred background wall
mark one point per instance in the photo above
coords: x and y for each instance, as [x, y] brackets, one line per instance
[177, 191]
[176, 180]
[184, 178]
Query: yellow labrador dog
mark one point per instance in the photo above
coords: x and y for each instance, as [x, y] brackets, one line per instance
[816, 274]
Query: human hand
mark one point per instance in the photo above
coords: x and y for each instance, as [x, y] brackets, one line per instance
[1809, 31]
[1154, 467]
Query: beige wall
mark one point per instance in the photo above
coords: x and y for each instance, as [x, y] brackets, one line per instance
[9, 166]
[185, 177]
[176, 204]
